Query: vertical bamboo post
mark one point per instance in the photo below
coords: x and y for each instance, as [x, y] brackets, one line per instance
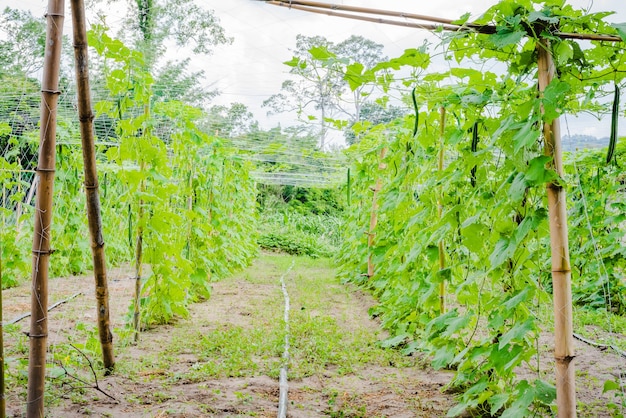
[85, 116]
[442, 255]
[561, 270]
[18, 209]
[38, 334]
[139, 261]
[189, 209]
[348, 191]
[374, 214]
[3, 406]
[139, 242]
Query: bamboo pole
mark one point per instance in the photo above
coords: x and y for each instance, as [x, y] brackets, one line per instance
[442, 255]
[18, 209]
[189, 210]
[86, 116]
[374, 214]
[139, 261]
[38, 334]
[440, 23]
[139, 242]
[348, 191]
[3, 406]
[561, 270]
[406, 24]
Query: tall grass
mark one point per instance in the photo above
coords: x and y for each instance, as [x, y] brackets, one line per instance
[300, 233]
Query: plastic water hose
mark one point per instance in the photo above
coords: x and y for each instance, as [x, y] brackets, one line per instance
[284, 385]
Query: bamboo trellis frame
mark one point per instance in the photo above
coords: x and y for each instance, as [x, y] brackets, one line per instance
[561, 271]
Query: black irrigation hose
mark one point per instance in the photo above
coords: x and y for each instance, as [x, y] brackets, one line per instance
[598, 345]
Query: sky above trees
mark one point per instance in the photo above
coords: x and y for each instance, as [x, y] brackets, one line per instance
[251, 69]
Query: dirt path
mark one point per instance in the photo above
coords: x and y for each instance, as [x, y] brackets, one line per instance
[223, 360]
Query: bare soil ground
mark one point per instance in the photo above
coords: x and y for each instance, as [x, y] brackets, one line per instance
[146, 383]
[167, 372]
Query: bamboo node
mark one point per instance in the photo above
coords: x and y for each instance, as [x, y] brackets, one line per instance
[45, 170]
[87, 118]
[29, 335]
[53, 14]
[51, 91]
[44, 252]
[91, 186]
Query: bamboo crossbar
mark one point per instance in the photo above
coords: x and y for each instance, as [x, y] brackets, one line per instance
[426, 26]
[437, 23]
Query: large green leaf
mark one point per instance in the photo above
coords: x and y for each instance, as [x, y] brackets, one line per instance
[507, 37]
[621, 30]
[517, 332]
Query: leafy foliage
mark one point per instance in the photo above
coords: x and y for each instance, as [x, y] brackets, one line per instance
[477, 223]
[306, 222]
[319, 89]
[181, 186]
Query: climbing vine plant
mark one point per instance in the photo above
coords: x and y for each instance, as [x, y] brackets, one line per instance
[179, 187]
[477, 221]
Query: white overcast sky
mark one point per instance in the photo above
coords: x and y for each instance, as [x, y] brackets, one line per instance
[251, 69]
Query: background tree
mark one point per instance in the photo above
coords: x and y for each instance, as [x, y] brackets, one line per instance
[230, 121]
[318, 92]
[22, 52]
[371, 113]
[174, 82]
[153, 26]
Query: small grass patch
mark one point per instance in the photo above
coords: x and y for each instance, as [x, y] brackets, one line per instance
[320, 341]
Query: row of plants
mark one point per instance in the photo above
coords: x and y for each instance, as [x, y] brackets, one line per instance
[165, 185]
[456, 244]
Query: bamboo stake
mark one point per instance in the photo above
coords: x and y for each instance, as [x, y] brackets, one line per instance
[86, 116]
[561, 270]
[139, 243]
[189, 209]
[18, 209]
[3, 406]
[374, 215]
[348, 187]
[442, 255]
[139, 261]
[43, 211]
